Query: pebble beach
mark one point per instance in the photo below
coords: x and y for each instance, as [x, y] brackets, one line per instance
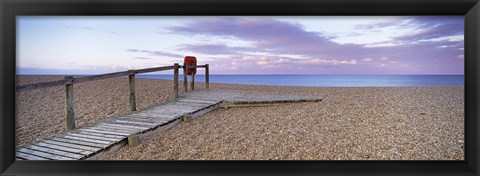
[350, 123]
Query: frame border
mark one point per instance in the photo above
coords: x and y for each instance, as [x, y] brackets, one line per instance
[11, 8]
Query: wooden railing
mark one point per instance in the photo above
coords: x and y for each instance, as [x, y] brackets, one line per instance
[70, 80]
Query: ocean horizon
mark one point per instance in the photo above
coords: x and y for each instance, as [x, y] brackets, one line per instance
[320, 80]
[328, 80]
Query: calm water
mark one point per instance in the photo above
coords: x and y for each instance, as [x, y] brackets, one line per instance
[330, 80]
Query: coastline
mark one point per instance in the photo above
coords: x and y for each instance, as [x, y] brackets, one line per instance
[406, 123]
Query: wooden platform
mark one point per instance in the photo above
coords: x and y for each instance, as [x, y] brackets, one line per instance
[95, 141]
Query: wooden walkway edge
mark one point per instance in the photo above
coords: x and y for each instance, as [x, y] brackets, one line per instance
[95, 141]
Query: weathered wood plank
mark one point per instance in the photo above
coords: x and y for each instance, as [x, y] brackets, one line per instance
[197, 101]
[124, 126]
[97, 130]
[101, 134]
[70, 145]
[160, 128]
[44, 154]
[108, 150]
[102, 76]
[87, 140]
[146, 70]
[83, 143]
[43, 85]
[128, 132]
[63, 148]
[27, 156]
[94, 137]
[17, 158]
[138, 123]
[142, 119]
[54, 151]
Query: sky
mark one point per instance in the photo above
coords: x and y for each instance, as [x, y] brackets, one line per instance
[380, 45]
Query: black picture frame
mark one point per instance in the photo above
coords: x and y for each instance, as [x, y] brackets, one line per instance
[10, 8]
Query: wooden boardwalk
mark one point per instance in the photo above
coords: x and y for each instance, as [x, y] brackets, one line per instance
[95, 141]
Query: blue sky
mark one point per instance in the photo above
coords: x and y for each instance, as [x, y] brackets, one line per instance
[242, 45]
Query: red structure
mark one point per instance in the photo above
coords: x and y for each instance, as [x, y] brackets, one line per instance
[189, 61]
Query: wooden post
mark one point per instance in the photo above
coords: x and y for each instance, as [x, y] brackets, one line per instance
[69, 105]
[131, 88]
[193, 76]
[207, 75]
[187, 118]
[185, 84]
[175, 79]
[133, 140]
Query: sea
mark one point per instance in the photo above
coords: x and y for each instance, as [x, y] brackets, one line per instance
[328, 80]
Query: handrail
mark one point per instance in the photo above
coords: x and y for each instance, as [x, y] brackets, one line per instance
[63, 82]
[69, 81]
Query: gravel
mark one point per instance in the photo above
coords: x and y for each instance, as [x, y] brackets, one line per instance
[351, 123]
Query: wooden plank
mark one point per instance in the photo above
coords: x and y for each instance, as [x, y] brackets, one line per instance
[55, 152]
[101, 134]
[27, 156]
[126, 132]
[160, 128]
[175, 80]
[112, 125]
[44, 154]
[138, 123]
[96, 130]
[143, 119]
[108, 150]
[146, 70]
[94, 137]
[69, 105]
[197, 101]
[83, 143]
[102, 76]
[63, 148]
[131, 88]
[87, 140]
[116, 128]
[133, 123]
[70, 145]
[17, 158]
[43, 85]
[88, 78]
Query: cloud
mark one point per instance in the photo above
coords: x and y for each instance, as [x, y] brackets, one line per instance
[278, 38]
[142, 58]
[368, 59]
[461, 56]
[86, 28]
[155, 53]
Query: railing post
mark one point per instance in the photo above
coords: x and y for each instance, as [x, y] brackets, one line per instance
[207, 75]
[69, 105]
[185, 84]
[193, 75]
[175, 79]
[131, 88]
